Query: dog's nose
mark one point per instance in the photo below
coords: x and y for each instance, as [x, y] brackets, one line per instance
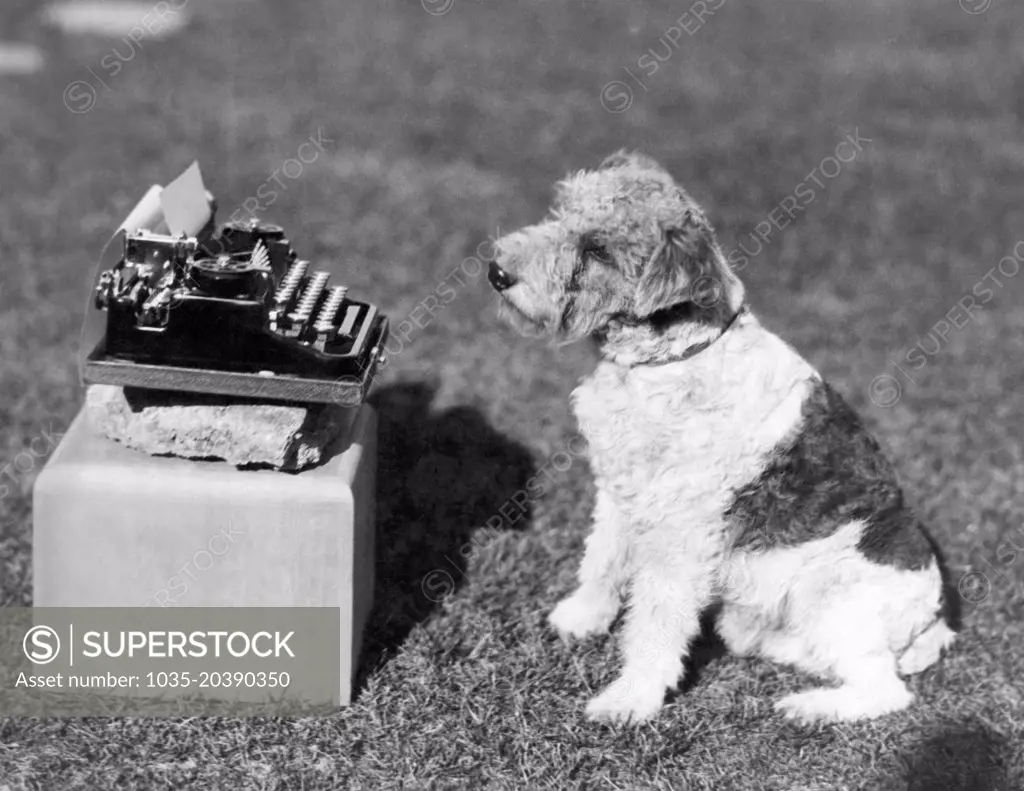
[499, 278]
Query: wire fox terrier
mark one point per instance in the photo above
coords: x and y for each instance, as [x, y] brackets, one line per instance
[727, 471]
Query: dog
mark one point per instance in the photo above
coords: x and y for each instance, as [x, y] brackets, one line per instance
[729, 474]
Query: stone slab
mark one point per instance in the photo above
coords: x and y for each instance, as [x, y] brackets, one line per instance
[282, 436]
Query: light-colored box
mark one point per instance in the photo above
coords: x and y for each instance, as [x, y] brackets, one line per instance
[114, 527]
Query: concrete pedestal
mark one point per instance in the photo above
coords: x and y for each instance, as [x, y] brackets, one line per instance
[117, 527]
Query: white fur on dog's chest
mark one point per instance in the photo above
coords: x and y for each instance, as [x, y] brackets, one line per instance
[623, 413]
[683, 435]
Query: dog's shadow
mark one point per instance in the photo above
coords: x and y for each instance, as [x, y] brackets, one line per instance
[965, 755]
[441, 478]
[706, 648]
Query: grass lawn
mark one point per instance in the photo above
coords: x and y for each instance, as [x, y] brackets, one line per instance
[441, 130]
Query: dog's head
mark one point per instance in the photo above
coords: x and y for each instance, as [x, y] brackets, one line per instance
[622, 242]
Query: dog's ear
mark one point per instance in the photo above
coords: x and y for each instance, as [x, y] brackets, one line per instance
[623, 158]
[684, 265]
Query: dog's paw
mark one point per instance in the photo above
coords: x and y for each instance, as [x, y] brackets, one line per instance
[845, 704]
[626, 700]
[808, 707]
[576, 617]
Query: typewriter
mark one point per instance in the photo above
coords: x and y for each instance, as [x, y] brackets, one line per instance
[234, 312]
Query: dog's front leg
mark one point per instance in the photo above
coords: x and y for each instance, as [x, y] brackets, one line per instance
[602, 575]
[667, 594]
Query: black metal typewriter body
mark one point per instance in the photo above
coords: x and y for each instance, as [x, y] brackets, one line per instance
[236, 313]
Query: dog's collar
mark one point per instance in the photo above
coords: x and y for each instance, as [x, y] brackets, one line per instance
[697, 348]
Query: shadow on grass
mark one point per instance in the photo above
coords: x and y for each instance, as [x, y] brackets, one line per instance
[441, 479]
[965, 756]
[706, 648]
[952, 604]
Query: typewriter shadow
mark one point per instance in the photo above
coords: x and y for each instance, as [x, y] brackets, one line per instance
[441, 479]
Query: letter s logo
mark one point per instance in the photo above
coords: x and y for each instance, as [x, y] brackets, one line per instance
[41, 644]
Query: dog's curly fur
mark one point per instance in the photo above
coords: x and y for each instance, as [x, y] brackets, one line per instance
[727, 471]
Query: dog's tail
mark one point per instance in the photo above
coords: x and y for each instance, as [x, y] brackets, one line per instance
[926, 648]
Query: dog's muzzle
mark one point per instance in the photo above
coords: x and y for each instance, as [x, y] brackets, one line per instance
[500, 279]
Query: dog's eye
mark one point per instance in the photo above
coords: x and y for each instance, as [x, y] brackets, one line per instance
[599, 253]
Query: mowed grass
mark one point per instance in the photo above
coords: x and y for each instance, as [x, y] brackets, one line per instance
[444, 130]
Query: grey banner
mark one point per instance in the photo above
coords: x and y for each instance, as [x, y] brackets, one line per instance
[171, 662]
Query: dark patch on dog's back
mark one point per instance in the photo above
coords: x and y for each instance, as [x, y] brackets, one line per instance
[832, 472]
